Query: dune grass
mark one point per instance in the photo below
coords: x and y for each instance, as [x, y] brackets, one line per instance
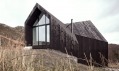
[40, 60]
[18, 59]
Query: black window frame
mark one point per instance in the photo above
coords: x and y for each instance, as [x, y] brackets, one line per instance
[46, 25]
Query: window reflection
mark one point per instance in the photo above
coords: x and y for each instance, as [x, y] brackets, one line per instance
[41, 36]
[41, 31]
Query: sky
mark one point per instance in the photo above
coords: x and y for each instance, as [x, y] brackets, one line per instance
[104, 14]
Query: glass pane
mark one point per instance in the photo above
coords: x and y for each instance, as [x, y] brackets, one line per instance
[39, 31]
[42, 20]
[35, 37]
[41, 35]
[47, 20]
[48, 33]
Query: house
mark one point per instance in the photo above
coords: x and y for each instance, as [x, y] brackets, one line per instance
[80, 39]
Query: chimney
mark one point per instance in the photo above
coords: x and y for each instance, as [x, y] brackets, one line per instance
[71, 25]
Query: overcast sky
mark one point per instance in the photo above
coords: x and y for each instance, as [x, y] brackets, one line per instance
[103, 13]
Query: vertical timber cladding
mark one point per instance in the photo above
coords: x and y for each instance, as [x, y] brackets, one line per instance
[56, 32]
[61, 40]
[28, 31]
[84, 49]
[94, 49]
[55, 35]
[99, 52]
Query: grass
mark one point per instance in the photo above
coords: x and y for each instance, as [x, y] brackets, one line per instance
[40, 60]
[17, 59]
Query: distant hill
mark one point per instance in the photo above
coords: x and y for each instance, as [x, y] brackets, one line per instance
[13, 34]
[113, 52]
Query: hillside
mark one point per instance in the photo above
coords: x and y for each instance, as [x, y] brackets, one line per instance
[11, 36]
[41, 60]
[11, 32]
[113, 52]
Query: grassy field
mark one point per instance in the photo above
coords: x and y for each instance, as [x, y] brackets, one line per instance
[40, 60]
[17, 59]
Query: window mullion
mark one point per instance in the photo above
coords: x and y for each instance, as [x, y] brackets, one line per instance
[38, 35]
[37, 28]
[45, 31]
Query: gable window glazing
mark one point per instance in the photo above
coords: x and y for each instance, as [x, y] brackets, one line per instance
[41, 31]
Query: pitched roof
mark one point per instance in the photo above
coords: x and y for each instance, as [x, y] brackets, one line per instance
[86, 29]
[37, 11]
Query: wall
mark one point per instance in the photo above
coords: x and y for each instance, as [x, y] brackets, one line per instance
[62, 41]
[92, 48]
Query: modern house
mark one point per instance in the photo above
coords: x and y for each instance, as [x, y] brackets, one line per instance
[80, 39]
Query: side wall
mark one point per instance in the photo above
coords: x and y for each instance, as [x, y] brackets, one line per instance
[28, 35]
[60, 40]
[96, 49]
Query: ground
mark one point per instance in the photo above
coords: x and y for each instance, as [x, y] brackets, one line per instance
[41, 60]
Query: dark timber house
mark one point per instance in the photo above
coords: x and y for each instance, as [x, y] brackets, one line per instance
[80, 39]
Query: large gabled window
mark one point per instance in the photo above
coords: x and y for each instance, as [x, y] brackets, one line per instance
[41, 30]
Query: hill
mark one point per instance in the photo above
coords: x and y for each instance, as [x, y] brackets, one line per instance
[113, 52]
[11, 34]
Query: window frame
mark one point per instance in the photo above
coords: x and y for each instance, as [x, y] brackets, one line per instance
[40, 25]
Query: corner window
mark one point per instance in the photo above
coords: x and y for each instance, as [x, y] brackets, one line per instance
[41, 31]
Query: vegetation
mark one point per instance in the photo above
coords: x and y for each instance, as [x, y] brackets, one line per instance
[113, 55]
[14, 58]
[39, 60]
[12, 32]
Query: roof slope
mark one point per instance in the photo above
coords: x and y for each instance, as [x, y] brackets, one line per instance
[86, 29]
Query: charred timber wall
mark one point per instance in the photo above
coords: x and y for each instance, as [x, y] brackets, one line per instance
[62, 41]
[98, 49]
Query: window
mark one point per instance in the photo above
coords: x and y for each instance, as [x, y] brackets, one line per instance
[41, 31]
[48, 33]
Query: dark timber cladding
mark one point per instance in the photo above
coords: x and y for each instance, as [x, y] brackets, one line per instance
[43, 30]
[90, 41]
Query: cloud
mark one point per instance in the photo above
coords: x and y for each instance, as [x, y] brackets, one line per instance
[108, 24]
[112, 37]
[14, 12]
[109, 8]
